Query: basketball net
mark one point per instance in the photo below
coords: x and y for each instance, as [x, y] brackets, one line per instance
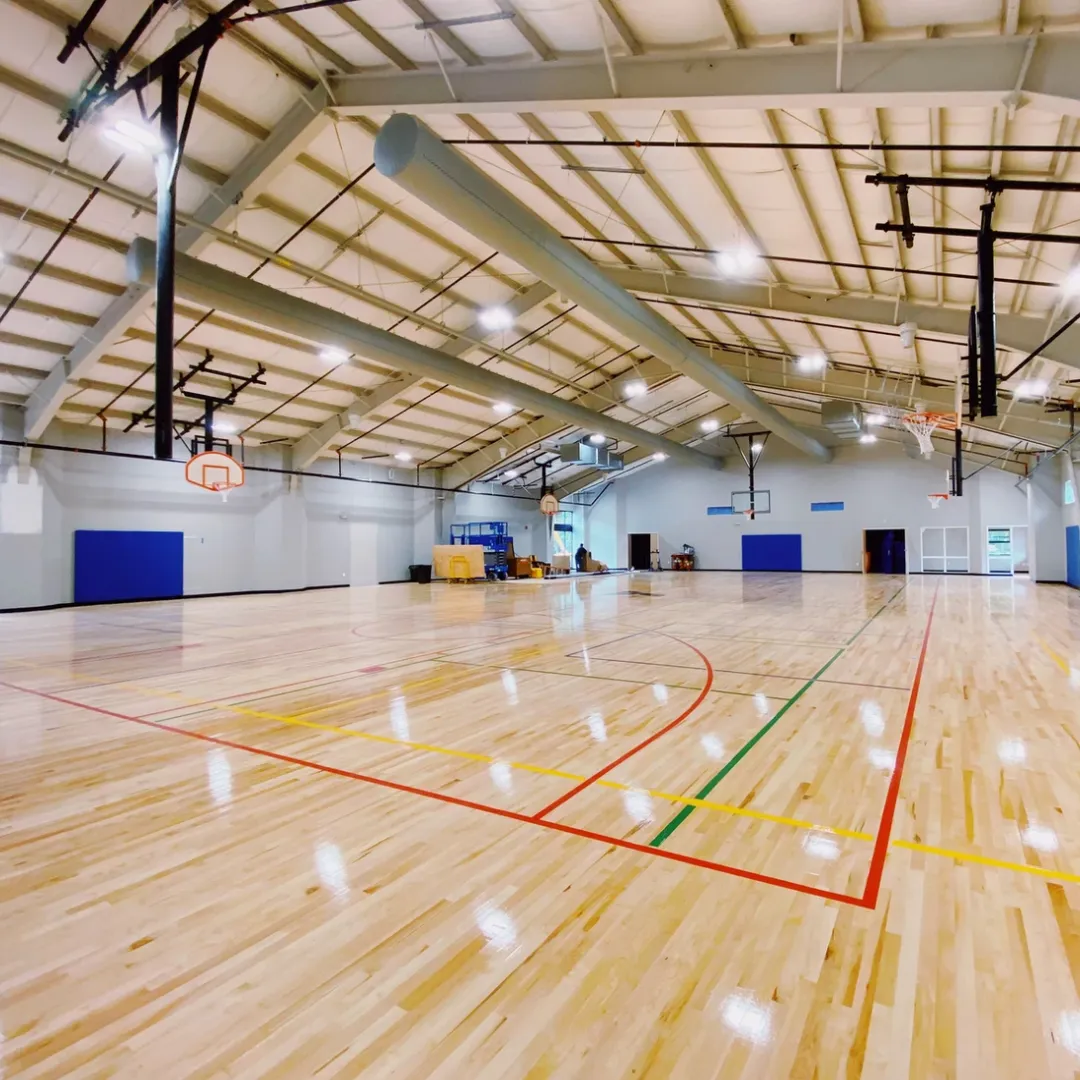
[937, 499]
[923, 425]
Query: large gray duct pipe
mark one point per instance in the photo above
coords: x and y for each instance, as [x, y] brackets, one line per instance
[201, 283]
[418, 160]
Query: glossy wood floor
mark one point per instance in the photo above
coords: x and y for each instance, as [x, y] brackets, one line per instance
[682, 825]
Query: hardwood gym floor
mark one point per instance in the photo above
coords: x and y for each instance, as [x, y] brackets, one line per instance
[684, 825]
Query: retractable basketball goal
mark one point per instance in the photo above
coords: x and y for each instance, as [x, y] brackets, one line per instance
[215, 471]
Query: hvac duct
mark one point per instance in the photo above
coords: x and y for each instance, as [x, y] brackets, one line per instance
[842, 418]
[437, 174]
[202, 283]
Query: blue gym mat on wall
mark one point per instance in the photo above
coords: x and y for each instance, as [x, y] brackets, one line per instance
[776, 551]
[1072, 556]
[127, 565]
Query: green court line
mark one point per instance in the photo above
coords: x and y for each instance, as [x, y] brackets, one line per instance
[704, 793]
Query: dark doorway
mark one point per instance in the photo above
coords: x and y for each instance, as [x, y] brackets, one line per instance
[885, 551]
[639, 551]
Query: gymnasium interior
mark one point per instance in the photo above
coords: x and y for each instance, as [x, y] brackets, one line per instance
[539, 538]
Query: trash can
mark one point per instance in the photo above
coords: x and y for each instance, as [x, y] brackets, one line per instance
[420, 574]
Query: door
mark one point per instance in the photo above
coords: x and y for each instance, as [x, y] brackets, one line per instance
[639, 550]
[886, 551]
[944, 550]
[999, 551]
[363, 553]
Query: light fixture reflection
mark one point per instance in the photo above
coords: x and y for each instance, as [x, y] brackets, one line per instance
[747, 1017]
[660, 692]
[639, 806]
[713, 747]
[882, 759]
[596, 727]
[821, 845]
[399, 716]
[502, 776]
[872, 718]
[219, 777]
[497, 926]
[1012, 752]
[1069, 1031]
[1040, 838]
[510, 686]
[761, 704]
[330, 866]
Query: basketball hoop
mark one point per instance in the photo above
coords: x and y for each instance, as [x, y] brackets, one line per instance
[215, 471]
[923, 425]
[937, 499]
[549, 505]
[748, 514]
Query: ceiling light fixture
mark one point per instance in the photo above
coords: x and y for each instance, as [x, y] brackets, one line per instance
[875, 419]
[598, 439]
[739, 263]
[757, 447]
[496, 318]
[503, 408]
[223, 427]
[711, 424]
[814, 361]
[1071, 285]
[635, 388]
[659, 456]
[403, 455]
[333, 356]
[1030, 388]
[511, 474]
[132, 136]
[868, 438]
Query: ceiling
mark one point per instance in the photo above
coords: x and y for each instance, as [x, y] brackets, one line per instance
[286, 121]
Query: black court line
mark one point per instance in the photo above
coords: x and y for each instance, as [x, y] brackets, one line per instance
[607, 678]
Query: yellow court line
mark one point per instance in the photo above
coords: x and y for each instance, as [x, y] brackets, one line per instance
[739, 811]
[986, 860]
[1059, 660]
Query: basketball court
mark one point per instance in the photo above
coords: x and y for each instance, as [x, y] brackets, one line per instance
[539, 540]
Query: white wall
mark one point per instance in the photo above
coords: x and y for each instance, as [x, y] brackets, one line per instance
[879, 486]
[269, 534]
[276, 532]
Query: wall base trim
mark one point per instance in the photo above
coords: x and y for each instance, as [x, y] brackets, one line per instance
[166, 599]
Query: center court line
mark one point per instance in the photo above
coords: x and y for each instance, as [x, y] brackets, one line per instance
[511, 815]
[686, 811]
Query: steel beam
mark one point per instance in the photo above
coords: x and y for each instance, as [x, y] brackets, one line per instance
[944, 71]
[316, 442]
[409, 153]
[251, 177]
[1017, 332]
[210, 286]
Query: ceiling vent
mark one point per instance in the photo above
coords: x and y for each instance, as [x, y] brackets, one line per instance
[842, 418]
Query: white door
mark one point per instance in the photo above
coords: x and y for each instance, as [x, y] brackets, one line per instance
[363, 553]
[999, 552]
[944, 550]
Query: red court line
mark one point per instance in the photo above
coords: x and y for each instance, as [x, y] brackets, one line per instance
[641, 745]
[511, 815]
[892, 796]
[137, 652]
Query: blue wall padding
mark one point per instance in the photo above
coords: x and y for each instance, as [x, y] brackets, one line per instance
[127, 565]
[1072, 556]
[825, 507]
[779, 551]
